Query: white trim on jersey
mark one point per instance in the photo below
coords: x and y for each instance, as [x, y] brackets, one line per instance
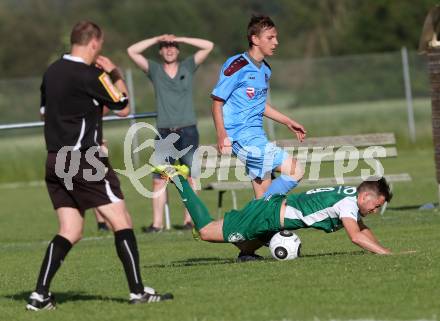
[292, 213]
[81, 135]
[320, 216]
[345, 208]
[348, 208]
[113, 198]
[73, 58]
[295, 214]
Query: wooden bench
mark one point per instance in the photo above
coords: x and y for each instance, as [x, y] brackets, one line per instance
[313, 151]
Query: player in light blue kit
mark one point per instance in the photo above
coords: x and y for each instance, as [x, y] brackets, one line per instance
[239, 103]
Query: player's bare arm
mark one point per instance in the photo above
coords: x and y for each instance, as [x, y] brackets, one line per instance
[105, 110]
[223, 141]
[205, 47]
[281, 118]
[361, 239]
[109, 67]
[366, 231]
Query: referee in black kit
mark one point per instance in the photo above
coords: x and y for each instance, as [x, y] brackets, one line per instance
[74, 92]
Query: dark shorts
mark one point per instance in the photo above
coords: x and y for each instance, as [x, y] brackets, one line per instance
[81, 191]
[187, 136]
[259, 219]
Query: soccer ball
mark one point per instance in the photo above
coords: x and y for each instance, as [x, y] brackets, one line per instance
[285, 245]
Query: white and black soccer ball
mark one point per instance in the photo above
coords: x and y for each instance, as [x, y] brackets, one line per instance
[285, 245]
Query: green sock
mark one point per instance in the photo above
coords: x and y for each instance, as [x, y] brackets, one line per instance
[197, 210]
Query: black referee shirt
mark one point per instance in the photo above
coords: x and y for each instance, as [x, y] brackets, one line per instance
[73, 95]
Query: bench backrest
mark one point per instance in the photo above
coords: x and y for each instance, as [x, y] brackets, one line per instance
[314, 149]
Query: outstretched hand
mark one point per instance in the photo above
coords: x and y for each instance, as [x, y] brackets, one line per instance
[298, 129]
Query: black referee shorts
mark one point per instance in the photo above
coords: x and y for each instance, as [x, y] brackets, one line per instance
[81, 193]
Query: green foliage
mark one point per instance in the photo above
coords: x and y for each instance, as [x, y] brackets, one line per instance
[343, 79]
[376, 26]
[40, 28]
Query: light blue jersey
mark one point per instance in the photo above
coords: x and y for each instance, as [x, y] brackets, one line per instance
[243, 87]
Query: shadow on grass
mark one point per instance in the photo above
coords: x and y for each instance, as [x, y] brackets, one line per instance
[180, 228]
[69, 296]
[332, 254]
[193, 262]
[216, 260]
[411, 207]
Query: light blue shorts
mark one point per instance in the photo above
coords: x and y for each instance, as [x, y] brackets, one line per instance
[259, 154]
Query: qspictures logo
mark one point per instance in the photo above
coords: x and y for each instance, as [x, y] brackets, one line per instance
[207, 162]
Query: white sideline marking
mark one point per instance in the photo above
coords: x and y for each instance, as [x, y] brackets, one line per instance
[16, 185]
[27, 244]
[318, 319]
[85, 239]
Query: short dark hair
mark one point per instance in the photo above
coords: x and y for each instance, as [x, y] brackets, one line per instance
[168, 44]
[377, 186]
[84, 31]
[257, 24]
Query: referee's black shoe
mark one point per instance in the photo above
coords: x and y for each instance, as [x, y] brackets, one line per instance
[39, 302]
[149, 298]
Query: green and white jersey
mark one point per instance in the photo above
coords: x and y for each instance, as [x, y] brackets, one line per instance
[321, 208]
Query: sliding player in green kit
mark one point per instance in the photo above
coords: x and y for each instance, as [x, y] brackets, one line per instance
[328, 209]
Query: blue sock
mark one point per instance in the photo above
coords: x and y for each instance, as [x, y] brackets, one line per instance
[281, 185]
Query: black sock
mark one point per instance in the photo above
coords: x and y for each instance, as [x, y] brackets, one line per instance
[126, 246]
[102, 226]
[55, 254]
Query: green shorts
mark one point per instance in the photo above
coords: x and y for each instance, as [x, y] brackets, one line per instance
[256, 220]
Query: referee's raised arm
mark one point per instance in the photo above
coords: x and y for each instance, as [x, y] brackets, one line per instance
[118, 81]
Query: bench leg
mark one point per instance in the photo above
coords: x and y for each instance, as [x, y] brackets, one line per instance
[234, 200]
[220, 203]
[439, 194]
[384, 206]
[167, 212]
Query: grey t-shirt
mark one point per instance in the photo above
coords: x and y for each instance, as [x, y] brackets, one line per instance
[174, 96]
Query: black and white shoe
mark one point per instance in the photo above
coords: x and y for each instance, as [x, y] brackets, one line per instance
[149, 298]
[39, 302]
[247, 257]
[149, 290]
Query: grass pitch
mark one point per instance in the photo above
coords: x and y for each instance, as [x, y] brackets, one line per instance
[333, 280]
